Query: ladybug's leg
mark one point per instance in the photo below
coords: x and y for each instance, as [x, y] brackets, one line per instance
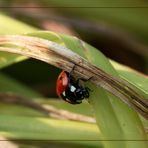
[84, 80]
[70, 73]
[71, 78]
[88, 89]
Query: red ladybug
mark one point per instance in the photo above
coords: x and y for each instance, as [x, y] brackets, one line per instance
[69, 88]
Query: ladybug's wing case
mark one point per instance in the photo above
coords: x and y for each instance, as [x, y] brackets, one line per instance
[62, 83]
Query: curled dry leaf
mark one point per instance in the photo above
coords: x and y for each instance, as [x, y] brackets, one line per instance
[62, 57]
[45, 109]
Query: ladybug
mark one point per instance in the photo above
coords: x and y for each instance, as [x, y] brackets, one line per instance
[70, 90]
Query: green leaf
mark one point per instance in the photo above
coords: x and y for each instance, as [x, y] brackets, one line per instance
[7, 59]
[137, 79]
[16, 27]
[107, 108]
[83, 108]
[14, 127]
[110, 112]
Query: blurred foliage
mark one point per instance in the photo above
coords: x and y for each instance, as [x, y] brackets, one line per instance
[117, 28]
